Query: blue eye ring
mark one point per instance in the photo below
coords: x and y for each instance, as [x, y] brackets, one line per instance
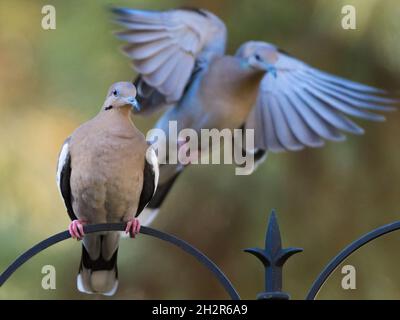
[115, 93]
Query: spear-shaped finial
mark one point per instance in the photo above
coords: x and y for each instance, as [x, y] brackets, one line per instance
[273, 257]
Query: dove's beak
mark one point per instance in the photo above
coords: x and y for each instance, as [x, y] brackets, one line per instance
[134, 103]
[270, 68]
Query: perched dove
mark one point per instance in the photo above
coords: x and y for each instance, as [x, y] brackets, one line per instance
[106, 173]
[181, 61]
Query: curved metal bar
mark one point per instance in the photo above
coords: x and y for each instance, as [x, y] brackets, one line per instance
[355, 245]
[203, 259]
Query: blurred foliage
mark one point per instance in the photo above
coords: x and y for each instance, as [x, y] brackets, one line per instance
[51, 81]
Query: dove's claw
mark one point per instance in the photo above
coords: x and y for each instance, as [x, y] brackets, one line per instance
[133, 227]
[75, 229]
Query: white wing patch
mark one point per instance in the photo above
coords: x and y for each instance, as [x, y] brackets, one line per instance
[151, 158]
[61, 162]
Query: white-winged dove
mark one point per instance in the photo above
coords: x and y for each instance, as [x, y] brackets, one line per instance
[106, 173]
[181, 61]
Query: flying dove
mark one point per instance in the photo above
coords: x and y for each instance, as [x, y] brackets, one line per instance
[106, 173]
[182, 64]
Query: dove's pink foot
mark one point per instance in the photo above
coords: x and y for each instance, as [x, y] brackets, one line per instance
[75, 229]
[133, 227]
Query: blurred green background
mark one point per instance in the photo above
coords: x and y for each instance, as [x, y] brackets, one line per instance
[51, 81]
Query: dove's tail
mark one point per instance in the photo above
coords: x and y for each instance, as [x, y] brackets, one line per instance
[98, 276]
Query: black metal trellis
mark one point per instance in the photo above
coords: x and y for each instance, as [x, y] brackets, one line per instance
[202, 258]
[346, 252]
[273, 256]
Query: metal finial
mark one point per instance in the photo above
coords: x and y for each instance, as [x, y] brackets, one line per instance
[273, 258]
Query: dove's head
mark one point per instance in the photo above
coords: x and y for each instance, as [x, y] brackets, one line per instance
[121, 95]
[258, 55]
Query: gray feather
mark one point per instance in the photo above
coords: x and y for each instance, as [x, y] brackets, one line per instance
[297, 124]
[314, 121]
[270, 133]
[282, 130]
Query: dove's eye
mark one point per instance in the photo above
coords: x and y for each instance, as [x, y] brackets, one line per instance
[258, 57]
[115, 93]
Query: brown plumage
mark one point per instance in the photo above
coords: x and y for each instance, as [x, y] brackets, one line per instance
[110, 150]
[227, 93]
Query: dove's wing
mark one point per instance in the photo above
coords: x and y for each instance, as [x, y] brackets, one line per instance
[167, 47]
[299, 106]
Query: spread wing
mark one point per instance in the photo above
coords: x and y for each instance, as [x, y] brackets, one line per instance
[167, 47]
[299, 106]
